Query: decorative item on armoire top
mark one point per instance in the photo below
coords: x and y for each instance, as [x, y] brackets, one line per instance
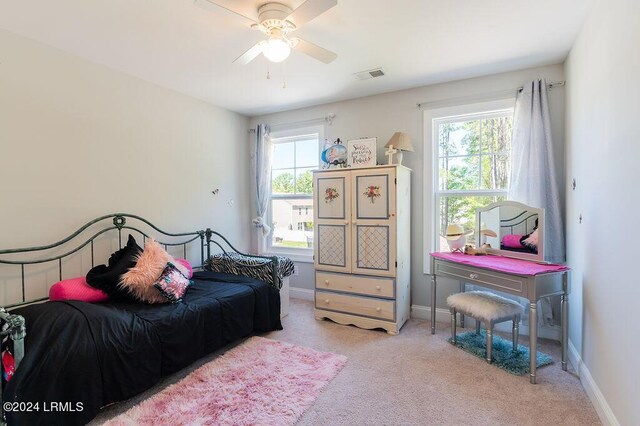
[456, 237]
[334, 155]
[399, 142]
[362, 152]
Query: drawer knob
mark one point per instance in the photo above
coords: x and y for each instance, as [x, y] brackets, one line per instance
[377, 287]
[378, 309]
[326, 282]
[474, 276]
[326, 301]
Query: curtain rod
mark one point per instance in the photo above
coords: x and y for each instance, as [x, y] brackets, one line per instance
[327, 118]
[483, 96]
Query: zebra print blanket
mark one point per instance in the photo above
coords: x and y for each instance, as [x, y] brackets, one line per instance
[237, 264]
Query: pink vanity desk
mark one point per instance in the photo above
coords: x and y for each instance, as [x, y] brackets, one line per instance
[523, 278]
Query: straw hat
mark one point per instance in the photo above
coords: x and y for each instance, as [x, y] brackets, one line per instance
[455, 231]
[488, 233]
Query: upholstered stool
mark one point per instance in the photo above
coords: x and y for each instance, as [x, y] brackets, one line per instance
[488, 308]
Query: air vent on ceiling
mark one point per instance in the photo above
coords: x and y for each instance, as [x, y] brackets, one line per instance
[365, 75]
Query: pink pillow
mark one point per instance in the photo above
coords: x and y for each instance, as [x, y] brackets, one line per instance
[76, 289]
[512, 241]
[139, 280]
[185, 263]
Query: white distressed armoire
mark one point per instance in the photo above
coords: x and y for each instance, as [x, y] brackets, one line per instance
[362, 246]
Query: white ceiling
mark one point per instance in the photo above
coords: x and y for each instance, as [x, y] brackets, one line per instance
[188, 49]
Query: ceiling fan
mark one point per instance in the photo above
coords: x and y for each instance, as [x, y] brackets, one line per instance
[277, 21]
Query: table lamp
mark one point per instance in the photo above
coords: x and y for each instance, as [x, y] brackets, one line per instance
[398, 143]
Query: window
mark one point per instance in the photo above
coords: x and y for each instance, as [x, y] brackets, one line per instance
[296, 155]
[470, 153]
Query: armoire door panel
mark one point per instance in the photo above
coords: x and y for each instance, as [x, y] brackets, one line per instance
[332, 221]
[332, 245]
[332, 197]
[373, 249]
[372, 195]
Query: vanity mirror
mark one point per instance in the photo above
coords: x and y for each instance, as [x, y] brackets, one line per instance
[511, 229]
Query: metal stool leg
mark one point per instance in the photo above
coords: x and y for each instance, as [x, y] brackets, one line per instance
[477, 327]
[515, 331]
[453, 326]
[462, 288]
[489, 341]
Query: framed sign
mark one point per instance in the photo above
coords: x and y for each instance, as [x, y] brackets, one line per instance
[362, 152]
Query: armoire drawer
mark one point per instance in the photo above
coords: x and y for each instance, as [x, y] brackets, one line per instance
[365, 306]
[357, 284]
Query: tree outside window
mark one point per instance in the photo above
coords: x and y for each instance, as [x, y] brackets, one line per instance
[473, 160]
[295, 157]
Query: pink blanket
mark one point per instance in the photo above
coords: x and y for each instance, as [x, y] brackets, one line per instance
[502, 264]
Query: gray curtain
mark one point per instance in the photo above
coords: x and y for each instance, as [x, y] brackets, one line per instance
[262, 168]
[533, 174]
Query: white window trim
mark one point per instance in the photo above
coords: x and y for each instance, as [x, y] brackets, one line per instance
[302, 255]
[430, 196]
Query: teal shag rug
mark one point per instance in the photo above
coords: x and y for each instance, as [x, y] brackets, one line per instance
[503, 357]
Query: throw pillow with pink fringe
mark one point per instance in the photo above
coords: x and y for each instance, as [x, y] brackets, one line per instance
[150, 264]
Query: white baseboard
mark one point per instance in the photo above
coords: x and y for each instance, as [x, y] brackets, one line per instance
[574, 358]
[443, 315]
[301, 293]
[591, 388]
[424, 312]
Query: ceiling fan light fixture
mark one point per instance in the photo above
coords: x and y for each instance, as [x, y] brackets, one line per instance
[276, 49]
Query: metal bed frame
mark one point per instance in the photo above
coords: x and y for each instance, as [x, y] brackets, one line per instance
[13, 326]
[517, 220]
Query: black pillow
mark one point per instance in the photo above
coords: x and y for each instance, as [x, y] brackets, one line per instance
[106, 278]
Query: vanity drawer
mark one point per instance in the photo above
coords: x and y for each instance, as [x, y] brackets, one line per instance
[510, 284]
[379, 287]
[364, 306]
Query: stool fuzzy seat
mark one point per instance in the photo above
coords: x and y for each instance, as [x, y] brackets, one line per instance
[485, 307]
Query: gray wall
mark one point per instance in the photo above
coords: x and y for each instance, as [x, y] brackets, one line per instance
[382, 115]
[79, 140]
[602, 154]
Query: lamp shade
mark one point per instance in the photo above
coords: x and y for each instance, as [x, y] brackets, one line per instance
[401, 141]
[276, 49]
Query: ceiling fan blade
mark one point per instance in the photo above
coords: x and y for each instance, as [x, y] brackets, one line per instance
[309, 10]
[239, 8]
[250, 54]
[315, 51]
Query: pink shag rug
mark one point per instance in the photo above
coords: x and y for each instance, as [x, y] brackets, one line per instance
[261, 382]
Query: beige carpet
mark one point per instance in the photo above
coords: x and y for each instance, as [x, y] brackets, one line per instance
[419, 379]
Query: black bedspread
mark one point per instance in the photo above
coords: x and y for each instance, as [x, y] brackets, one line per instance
[86, 355]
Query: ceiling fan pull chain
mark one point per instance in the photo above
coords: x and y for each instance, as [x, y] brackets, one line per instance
[268, 75]
[284, 77]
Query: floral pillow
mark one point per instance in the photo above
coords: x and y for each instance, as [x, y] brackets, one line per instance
[150, 264]
[172, 283]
